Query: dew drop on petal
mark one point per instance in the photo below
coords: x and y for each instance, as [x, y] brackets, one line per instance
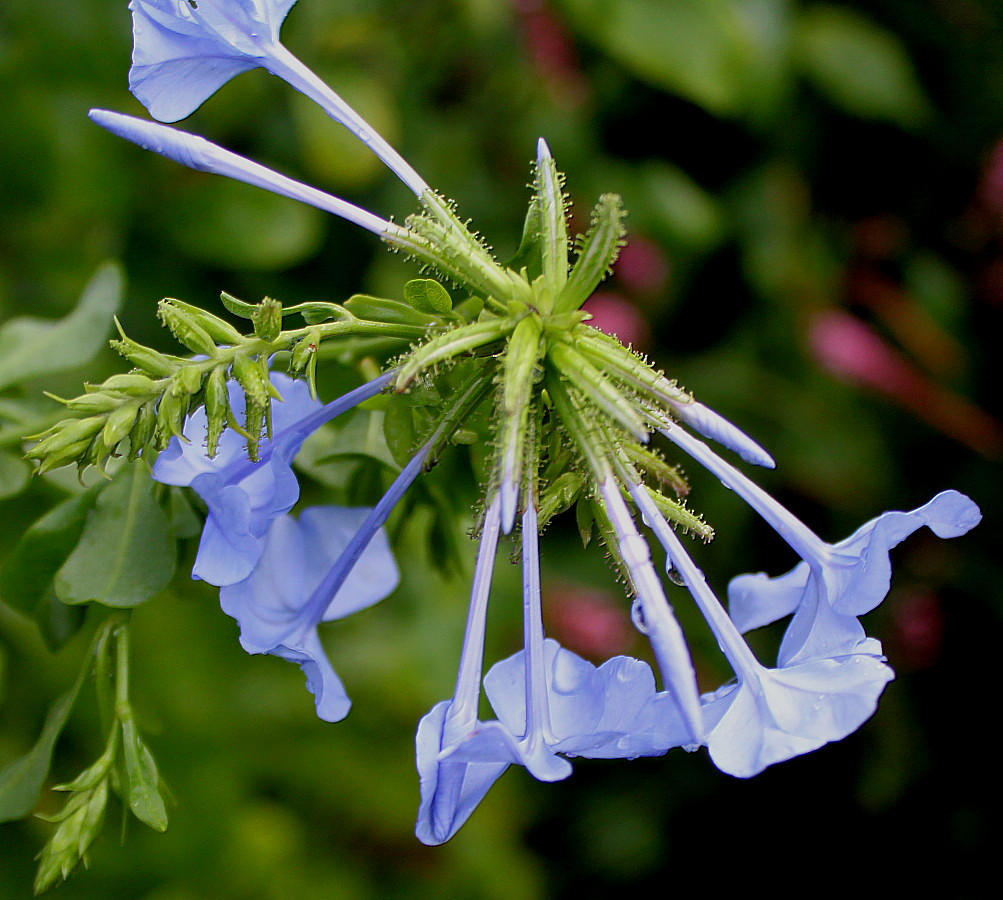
[675, 577]
[637, 615]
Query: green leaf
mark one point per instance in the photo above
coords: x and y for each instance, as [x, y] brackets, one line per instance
[21, 782]
[144, 795]
[28, 572]
[30, 347]
[14, 474]
[399, 429]
[698, 49]
[428, 296]
[862, 68]
[377, 309]
[127, 551]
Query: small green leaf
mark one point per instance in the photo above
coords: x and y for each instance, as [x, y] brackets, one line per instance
[22, 780]
[428, 296]
[377, 309]
[30, 347]
[399, 429]
[126, 553]
[237, 307]
[144, 795]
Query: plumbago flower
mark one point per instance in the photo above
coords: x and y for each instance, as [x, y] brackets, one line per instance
[572, 413]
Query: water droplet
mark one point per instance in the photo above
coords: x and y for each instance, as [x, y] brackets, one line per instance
[675, 576]
[637, 616]
[364, 136]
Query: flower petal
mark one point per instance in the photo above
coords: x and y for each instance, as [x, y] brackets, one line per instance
[183, 52]
[790, 711]
[450, 790]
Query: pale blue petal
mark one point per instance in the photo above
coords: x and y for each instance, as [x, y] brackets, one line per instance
[184, 52]
[790, 711]
[492, 742]
[321, 680]
[846, 580]
[611, 712]
[450, 790]
[272, 605]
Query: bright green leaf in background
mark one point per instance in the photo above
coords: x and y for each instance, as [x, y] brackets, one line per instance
[859, 66]
[31, 347]
[697, 49]
[21, 782]
[126, 525]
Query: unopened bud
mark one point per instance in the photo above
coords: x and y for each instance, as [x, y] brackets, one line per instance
[221, 331]
[145, 358]
[119, 424]
[267, 319]
[171, 412]
[252, 379]
[186, 329]
[187, 382]
[142, 431]
[217, 408]
[132, 385]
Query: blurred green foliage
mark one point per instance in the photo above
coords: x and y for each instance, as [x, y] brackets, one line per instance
[792, 170]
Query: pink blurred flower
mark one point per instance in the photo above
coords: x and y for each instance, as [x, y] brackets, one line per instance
[617, 316]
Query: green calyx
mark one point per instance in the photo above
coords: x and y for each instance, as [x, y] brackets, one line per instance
[571, 408]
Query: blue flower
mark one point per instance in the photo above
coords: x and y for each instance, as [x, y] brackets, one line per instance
[836, 583]
[185, 50]
[276, 606]
[245, 497]
[548, 702]
[769, 715]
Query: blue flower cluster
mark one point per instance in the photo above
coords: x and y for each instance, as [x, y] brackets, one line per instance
[274, 570]
[281, 576]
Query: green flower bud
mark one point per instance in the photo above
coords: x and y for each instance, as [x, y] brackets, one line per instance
[187, 382]
[119, 424]
[221, 331]
[217, 408]
[267, 319]
[186, 329]
[66, 433]
[142, 431]
[252, 379]
[133, 385]
[150, 361]
[97, 402]
[171, 412]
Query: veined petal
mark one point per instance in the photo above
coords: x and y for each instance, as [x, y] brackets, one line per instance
[272, 604]
[450, 790]
[609, 712]
[790, 711]
[185, 50]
